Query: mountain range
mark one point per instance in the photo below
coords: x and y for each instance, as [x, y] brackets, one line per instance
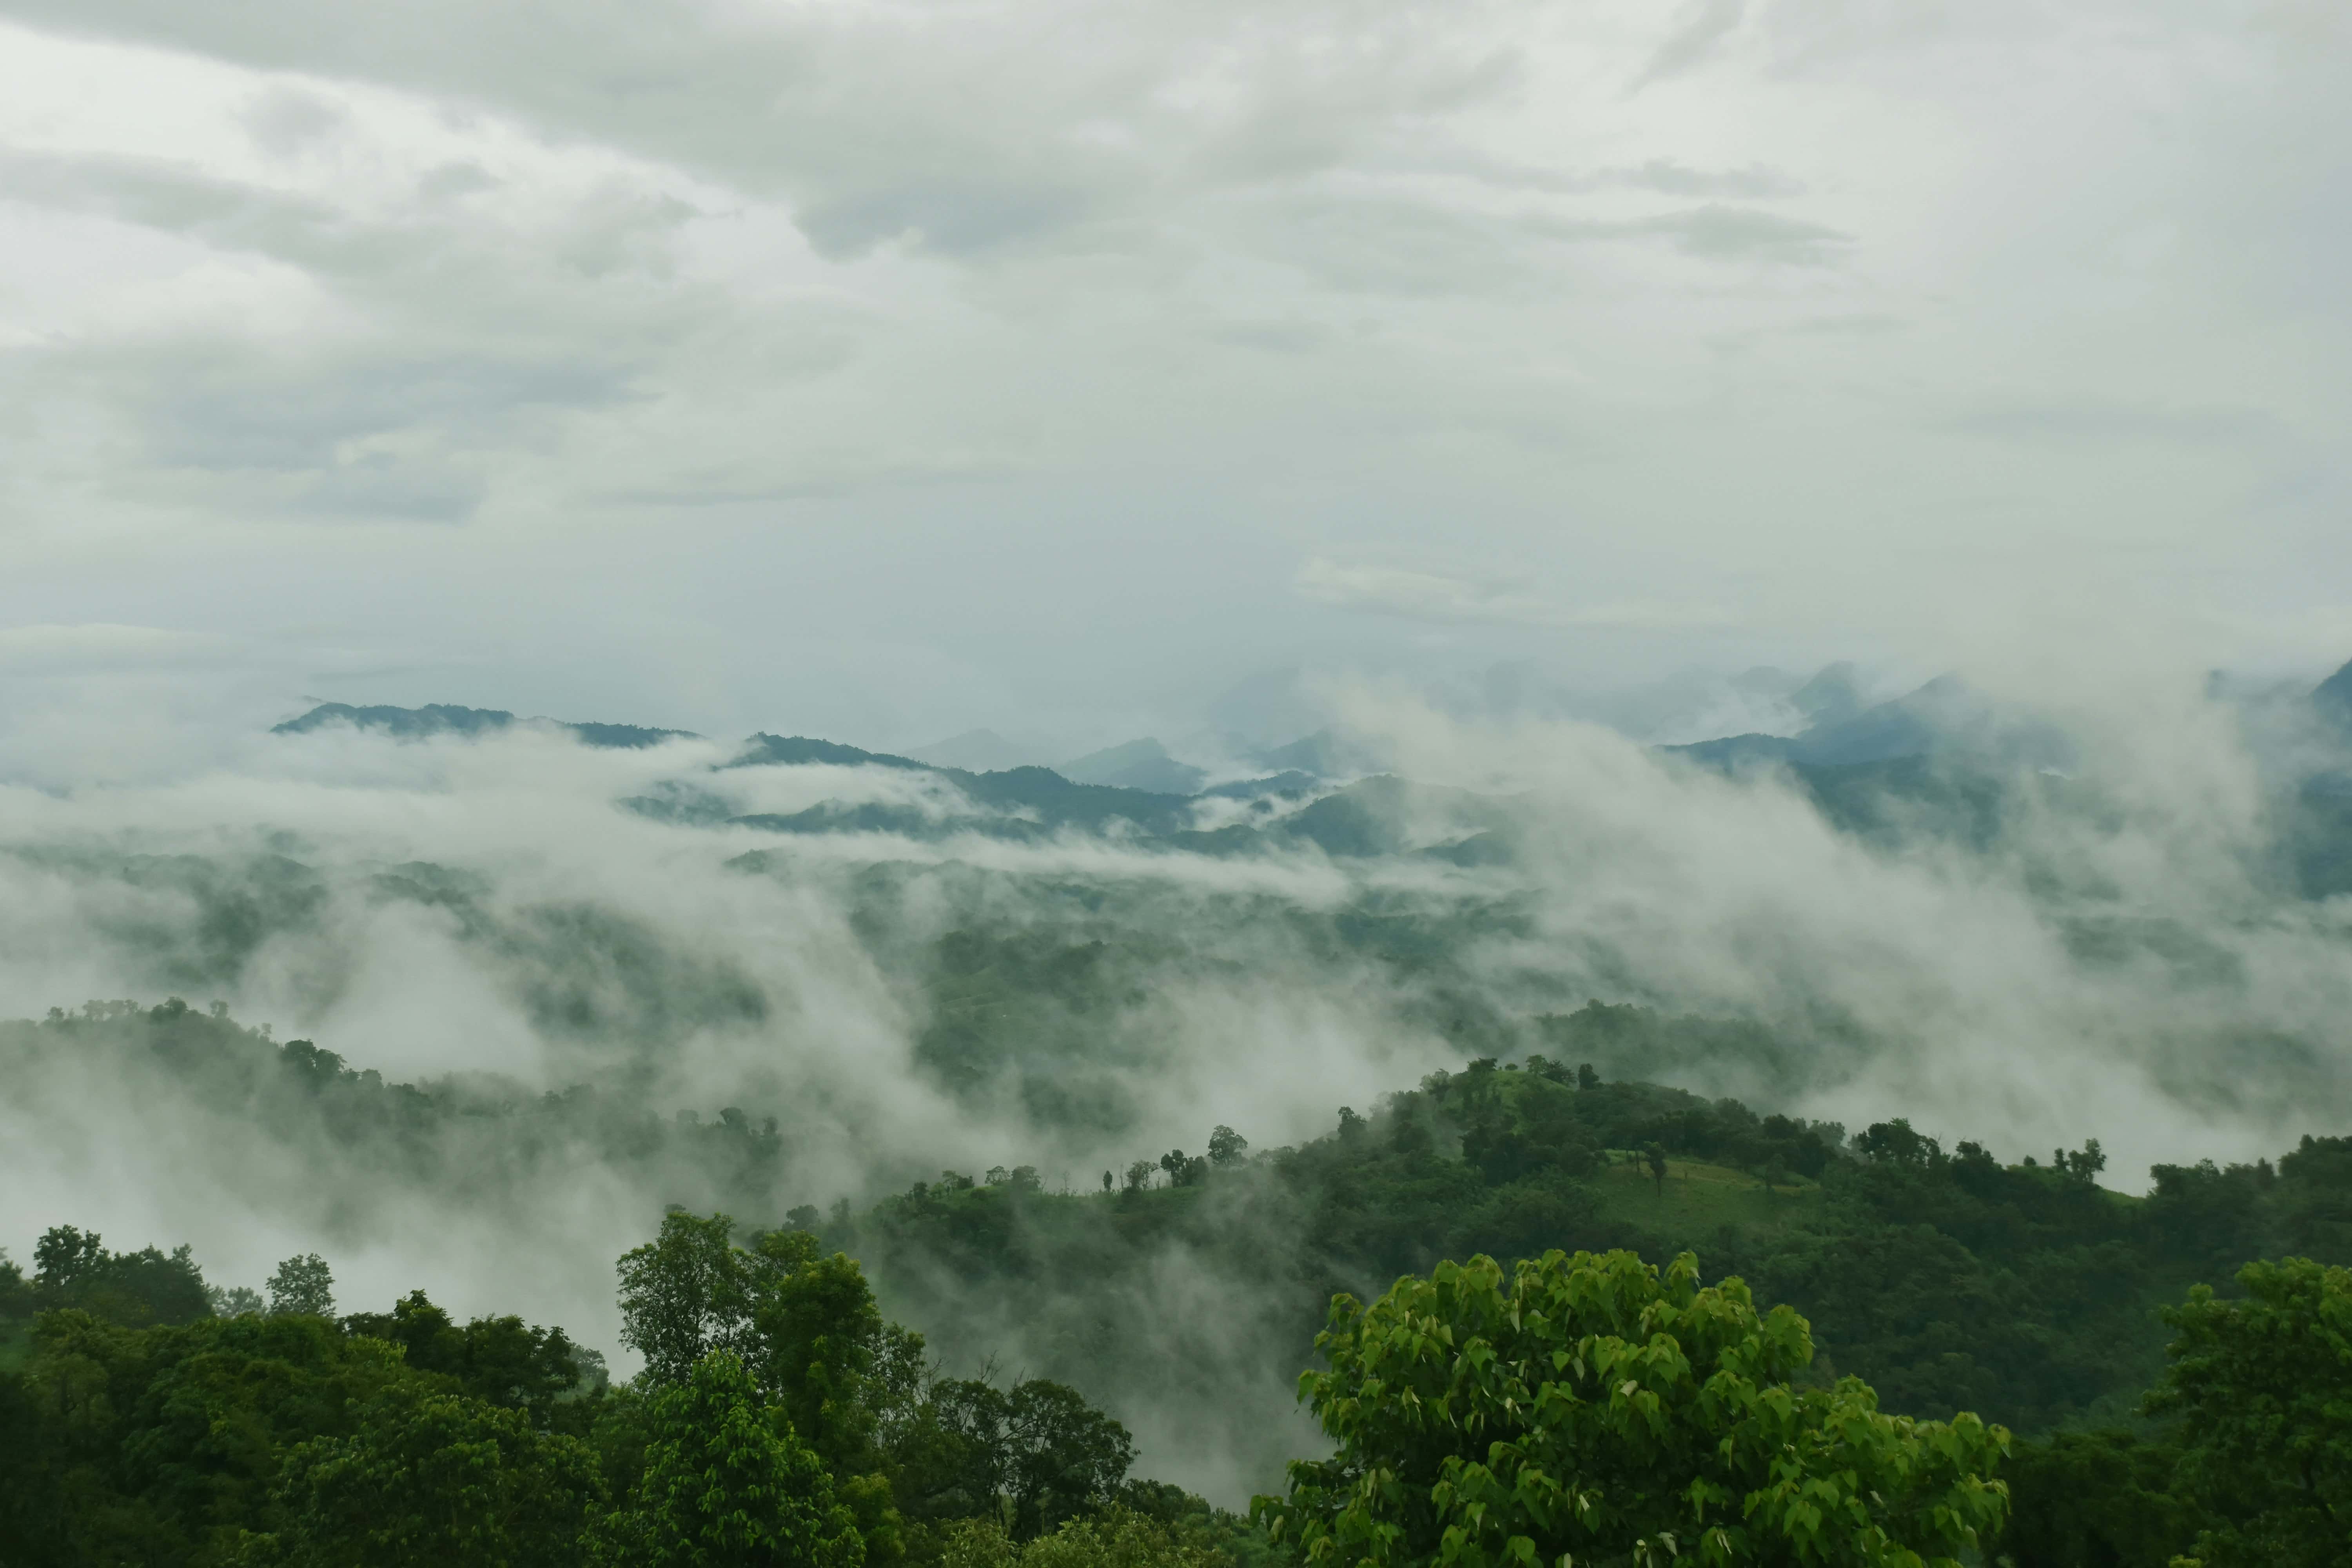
[1942, 760]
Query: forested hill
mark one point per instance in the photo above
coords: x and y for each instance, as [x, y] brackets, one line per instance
[1940, 765]
[1948, 1278]
[445, 719]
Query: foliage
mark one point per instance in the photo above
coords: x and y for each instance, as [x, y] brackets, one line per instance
[683, 1295]
[1595, 1407]
[1033, 1457]
[503, 1362]
[73, 1269]
[2103, 1498]
[303, 1285]
[2261, 1389]
[160, 1446]
[726, 1482]
[438, 1477]
[1945, 1277]
[1117, 1537]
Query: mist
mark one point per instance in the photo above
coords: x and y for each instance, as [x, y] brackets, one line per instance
[2122, 960]
[1818, 524]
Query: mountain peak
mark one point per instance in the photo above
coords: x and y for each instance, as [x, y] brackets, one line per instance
[2333, 697]
[1142, 764]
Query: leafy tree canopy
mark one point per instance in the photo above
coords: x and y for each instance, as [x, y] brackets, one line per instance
[302, 1286]
[438, 1477]
[1596, 1408]
[2262, 1388]
[726, 1482]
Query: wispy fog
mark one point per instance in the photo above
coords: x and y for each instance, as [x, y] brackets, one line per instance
[2120, 955]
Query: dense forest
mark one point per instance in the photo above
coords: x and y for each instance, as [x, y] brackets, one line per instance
[152, 1416]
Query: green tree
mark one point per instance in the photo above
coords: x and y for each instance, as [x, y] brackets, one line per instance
[2262, 1388]
[501, 1360]
[1030, 1457]
[302, 1287]
[1598, 1409]
[234, 1300]
[148, 1443]
[1117, 1537]
[438, 1477]
[814, 1335]
[2094, 1500]
[67, 1255]
[823, 1352]
[71, 1268]
[1064, 1458]
[684, 1294]
[726, 1483]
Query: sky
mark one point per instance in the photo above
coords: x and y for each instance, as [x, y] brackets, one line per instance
[880, 371]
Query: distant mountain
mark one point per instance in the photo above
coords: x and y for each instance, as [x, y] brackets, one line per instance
[1369, 818]
[1142, 764]
[1831, 697]
[763, 750]
[2332, 697]
[979, 750]
[1945, 717]
[1326, 754]
[1292, 785]
[1050, 800]
[443, 719]
[408, 723]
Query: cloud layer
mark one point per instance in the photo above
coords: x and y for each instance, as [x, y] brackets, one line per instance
[574, 357]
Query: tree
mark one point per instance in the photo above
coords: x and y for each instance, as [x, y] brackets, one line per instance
[1032, 1457]
[234, 1300]
[814, 1331]
[2262, 1388]
[2085, 1164]
[302, 1286]
[66, 1257]
[1226, 1147]
[726, 1483]
[804, 1326]
[72, 1268]
[1655, 1157]
[438, 1477]
[501, 1360]
[1137, 1175]
[1106, 1181]
[1064, 1458]
[1899, 1144]
[2095, 1497]
[1585, 1076]
[683, 1295]
[1597, 1409]
[1117, 1537]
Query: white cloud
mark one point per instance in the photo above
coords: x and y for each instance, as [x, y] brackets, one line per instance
[1437, 596]
[99, 646]
[966, 332]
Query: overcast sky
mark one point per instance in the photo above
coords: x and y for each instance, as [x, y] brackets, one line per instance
[881, 370]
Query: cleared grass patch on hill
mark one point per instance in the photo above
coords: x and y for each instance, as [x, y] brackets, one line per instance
[1695, 1197]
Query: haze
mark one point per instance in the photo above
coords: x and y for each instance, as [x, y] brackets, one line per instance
[1820, 525]
[884, 372]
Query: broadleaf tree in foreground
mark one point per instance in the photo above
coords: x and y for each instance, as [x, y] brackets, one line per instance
[727, 1481]
[2261, 1389]
[1598, 1409]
